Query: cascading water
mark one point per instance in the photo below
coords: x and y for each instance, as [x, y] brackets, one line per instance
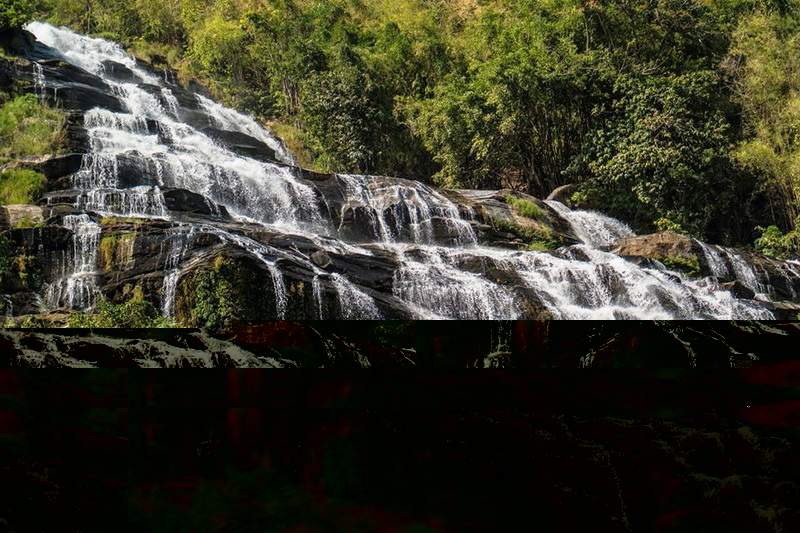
[162, 142]
[412, 210]
[719, 258]
[38, 81]
[594, 229]
[77, 288]
[229, 119]
[179, 242]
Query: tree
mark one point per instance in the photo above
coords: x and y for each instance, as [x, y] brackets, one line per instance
[15, 13]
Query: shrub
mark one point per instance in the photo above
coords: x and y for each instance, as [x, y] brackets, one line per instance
[15, 13]
[774, 243]
[21, 186]
[28, 127]
[135, 313]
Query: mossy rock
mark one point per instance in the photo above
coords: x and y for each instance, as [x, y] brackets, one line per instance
[224, 290]
[689, 266]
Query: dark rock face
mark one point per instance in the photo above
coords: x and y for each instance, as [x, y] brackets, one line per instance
[181, 200]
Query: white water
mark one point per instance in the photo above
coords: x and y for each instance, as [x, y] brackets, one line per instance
[594, 229]
[78, 287]
[134, 155]
[228, 119]
[715, 261]
[416, 201]
[39, 81]
[354, 303]
[179, 242]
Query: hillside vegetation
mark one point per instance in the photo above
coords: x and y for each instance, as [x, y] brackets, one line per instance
[684, 112]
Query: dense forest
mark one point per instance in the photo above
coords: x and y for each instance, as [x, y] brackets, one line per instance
[668, 114]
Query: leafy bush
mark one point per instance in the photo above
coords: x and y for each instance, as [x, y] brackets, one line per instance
[665, 224]
[774, 243]
[21, 186]
[28, 127]
[135, 313]
[15, 13]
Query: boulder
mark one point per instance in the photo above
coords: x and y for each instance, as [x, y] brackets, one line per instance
[677, 252]
[499, 225]
[563, 194]
[321, 259]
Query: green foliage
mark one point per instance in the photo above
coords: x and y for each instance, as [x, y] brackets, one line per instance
[524, 207]
[665, 224]
[660, 152]
[15, 13]
[538, 240]
[774, 243]
[21, 186]
[214, 297]
[28, 127]
[115, 250]
[7, 253]
[134, 313]
[763, 62]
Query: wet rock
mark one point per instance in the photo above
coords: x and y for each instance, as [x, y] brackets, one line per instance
[321, 259]
[119, 72]
[242, 144]
[182, 200]
[676, 251]
[738, 289]
[52, 167]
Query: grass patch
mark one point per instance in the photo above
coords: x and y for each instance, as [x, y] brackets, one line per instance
[524, 207]
[28, 127]
[21, 186]
[27, 222]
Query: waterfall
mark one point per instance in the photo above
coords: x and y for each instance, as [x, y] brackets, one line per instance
[228, 119]
[179, 242]
[39, 81]
[86, 52]
[418, 202]
[594, 229]
[354, 303]
[77, 288]
[433, 282]
[161, 137]
[172, 102]
[9, 305]
[316, 287]
[715, 261]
